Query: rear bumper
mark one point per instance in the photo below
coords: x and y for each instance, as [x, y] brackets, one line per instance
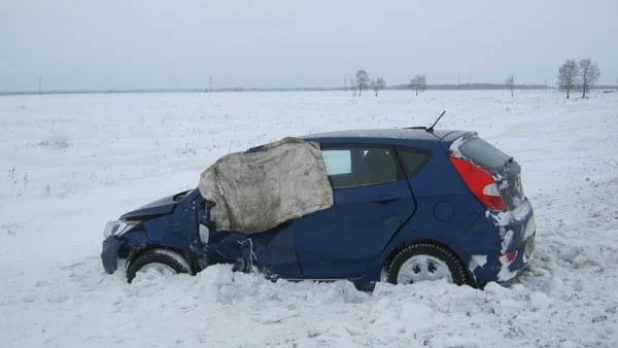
[515, 261]
[517, 232]
[503, 268]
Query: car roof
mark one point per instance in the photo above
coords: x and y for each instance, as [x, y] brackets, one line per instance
[381, 135]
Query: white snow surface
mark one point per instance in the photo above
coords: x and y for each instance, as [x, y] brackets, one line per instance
[71, 162]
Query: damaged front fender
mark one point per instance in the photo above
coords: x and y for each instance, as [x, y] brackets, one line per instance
[109, 255]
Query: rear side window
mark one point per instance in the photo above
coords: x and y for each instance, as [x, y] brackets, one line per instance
[355, 166]
[483, 153]
[413, 160]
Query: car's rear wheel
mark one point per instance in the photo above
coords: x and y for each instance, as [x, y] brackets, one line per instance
[162, 261]
[425, 261]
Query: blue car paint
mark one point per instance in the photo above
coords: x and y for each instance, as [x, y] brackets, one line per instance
[366, 217]
[109, 254]
[173, 226]
[354, 238]
[276, 253]
[161, 206]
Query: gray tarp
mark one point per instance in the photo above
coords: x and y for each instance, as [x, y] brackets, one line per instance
[258, 190]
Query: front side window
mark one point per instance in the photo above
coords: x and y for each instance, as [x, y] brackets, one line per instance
[338, 162]
[360, 166]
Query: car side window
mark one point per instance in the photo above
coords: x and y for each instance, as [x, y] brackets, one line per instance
[338, 162]
[413, 160]
[349, 167]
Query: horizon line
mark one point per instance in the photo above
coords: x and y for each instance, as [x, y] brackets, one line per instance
[443, 86]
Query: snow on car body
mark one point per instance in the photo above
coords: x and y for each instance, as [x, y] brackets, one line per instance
[409, 205]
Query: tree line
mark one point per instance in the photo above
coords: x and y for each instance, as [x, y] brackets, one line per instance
[361, 82]
[572, 75]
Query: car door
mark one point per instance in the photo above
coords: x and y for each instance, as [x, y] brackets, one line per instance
[275, 253]
[372, 200]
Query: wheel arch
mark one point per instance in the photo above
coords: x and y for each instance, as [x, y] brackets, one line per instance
[151, 247]
[391, 255]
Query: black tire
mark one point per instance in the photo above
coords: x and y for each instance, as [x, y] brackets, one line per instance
[459, 274]
[162, 256]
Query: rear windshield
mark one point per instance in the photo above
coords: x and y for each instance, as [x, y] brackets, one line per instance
[483, 154]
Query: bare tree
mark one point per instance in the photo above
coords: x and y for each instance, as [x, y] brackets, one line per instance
[567, 76]
[353, 86]
[589, 73]
[418, 83]
[362, 81]
[378, 85]
[510, 83]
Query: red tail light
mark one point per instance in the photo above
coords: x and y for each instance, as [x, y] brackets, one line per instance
[511, 256]
[480, 182]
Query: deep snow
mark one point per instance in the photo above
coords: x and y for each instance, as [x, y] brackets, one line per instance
[71, 162]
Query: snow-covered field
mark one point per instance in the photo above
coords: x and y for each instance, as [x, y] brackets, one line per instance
[69, 163]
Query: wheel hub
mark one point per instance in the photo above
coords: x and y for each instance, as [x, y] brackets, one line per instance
[157, 267]
[423, 267]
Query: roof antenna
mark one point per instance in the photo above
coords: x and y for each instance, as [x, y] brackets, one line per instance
[430, 129]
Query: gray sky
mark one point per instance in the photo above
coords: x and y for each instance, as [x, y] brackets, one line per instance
[112, 44]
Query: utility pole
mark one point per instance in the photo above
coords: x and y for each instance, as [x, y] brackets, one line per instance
[40, 86]
[345, 84]
[210, 84]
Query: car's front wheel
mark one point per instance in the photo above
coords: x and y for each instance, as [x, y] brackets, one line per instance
[426, 261]
[158, 260]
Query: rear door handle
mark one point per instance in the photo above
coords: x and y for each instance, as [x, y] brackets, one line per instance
[386, 199]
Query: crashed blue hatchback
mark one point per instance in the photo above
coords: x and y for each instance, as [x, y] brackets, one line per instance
[403, 206]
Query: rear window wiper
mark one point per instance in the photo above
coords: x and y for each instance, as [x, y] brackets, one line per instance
[508, 161]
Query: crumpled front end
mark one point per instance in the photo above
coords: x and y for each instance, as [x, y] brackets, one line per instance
[109, 254]
[122, 247]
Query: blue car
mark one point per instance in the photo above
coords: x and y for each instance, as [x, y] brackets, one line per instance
[410, 205]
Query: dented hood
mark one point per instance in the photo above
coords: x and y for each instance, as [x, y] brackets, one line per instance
[161, 206]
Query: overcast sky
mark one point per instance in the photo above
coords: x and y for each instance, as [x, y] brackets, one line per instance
[110, 44]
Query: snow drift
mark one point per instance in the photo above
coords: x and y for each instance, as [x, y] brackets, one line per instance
[55, 200]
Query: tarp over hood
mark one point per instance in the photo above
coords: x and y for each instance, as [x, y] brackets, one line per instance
[259, 189]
